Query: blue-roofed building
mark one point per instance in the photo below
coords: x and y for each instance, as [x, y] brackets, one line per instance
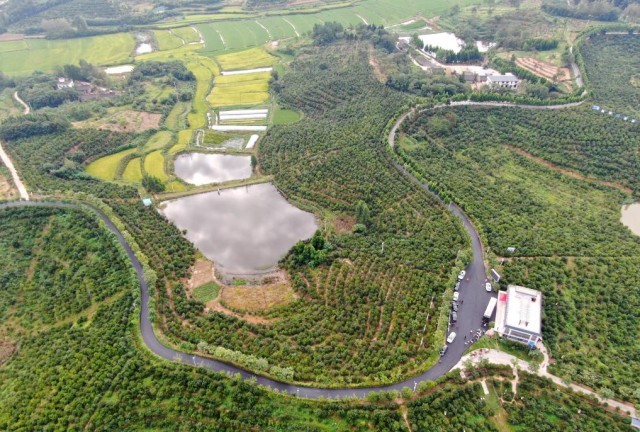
[147, 202]
[618, 116]
[595, 108]
[635, 422]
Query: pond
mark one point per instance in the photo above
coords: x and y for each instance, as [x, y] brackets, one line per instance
[202, 168]
[244, 230]
[631, 217]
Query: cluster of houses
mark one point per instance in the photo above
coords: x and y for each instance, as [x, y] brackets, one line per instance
[87, 90]
[490, 79]
[611, 113]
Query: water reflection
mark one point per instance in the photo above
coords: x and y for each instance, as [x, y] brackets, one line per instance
[243, 230]
[201, 168]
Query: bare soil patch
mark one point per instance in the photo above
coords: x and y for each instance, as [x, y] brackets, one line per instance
[202, 272]
[6, 351]
[276, 291]
[344, 224]
[7, 191]
[215, 306]
[546, 70]
[125, 121]
[376, 67]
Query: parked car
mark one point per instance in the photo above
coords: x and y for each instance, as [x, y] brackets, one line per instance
[443, 350]
[488, 286]
[462, 275]
[454, 316]
[457, 287]
[455, 296]
[452, 337]
[454, 306]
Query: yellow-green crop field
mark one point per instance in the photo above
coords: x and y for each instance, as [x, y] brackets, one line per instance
[158, 141]
[45, 55]
[205, 70]
[166, 40]
[106, 167]
[154, 165]
[175, 186]
[249, 89]
[187, 33]
[184, 138]
[133, 171]
[248, 59]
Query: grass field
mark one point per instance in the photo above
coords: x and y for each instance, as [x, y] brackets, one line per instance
[175, 186]
[154, 165]
[235, 90]
[158, 141]
[206, 292]
[106, 167]
[175, 119]
[248, 59]
[285, 116]
[45, 55]
[166, 40]
[133, 171]
[187, 33]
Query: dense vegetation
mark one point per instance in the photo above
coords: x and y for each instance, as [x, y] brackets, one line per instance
[612, 63]
[518, 202]
[591, 318]
[363, 315]
[96, 377]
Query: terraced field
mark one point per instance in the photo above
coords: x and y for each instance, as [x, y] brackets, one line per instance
[133, 171]
[45, 55]
[106, 167]
[166, 40]
[248, 59]
[154, 165]
[240, 90]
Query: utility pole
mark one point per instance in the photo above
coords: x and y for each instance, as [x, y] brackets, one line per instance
[382, 248]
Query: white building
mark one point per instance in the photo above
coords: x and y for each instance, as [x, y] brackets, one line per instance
[64, 83]
[519, 314]
[508, 80]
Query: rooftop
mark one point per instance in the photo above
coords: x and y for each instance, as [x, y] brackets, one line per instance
[503, 78]
[524, 309]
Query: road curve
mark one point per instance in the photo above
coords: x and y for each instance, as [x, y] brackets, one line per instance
[473, 296]
[26, 109]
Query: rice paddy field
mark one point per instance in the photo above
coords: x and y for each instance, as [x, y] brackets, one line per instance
[105, 168]
[184, 138]
[188, 34]
[26, 56]
[154, 165]
[158, 141]
[167, 40]
[248, 59]
[133, 172]
[240, 90]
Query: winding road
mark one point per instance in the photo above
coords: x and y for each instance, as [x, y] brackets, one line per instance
[472, 293]
[473, 301]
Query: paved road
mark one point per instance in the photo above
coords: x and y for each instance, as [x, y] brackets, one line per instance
[473, 301]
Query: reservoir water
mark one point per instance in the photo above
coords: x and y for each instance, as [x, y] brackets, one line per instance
[202, 168]
[244, 230]
[631, 217]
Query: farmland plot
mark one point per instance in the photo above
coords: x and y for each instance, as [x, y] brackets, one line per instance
[250, 89]
[248, 59]
[45, 55]
[106, 167]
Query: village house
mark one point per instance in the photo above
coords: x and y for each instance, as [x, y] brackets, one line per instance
[508, 81]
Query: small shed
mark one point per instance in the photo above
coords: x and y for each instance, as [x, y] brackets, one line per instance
[147, 202]
[635, 422]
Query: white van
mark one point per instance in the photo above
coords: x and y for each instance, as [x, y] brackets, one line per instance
[451, 337]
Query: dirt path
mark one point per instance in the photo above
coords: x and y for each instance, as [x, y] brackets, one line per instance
[26, 110]
[22, 190]
[568, 172]
[502, 358]
[292, 26]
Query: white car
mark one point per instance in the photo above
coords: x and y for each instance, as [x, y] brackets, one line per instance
[461, 275]
[488, 286]
[451, 337]
[456, 295]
